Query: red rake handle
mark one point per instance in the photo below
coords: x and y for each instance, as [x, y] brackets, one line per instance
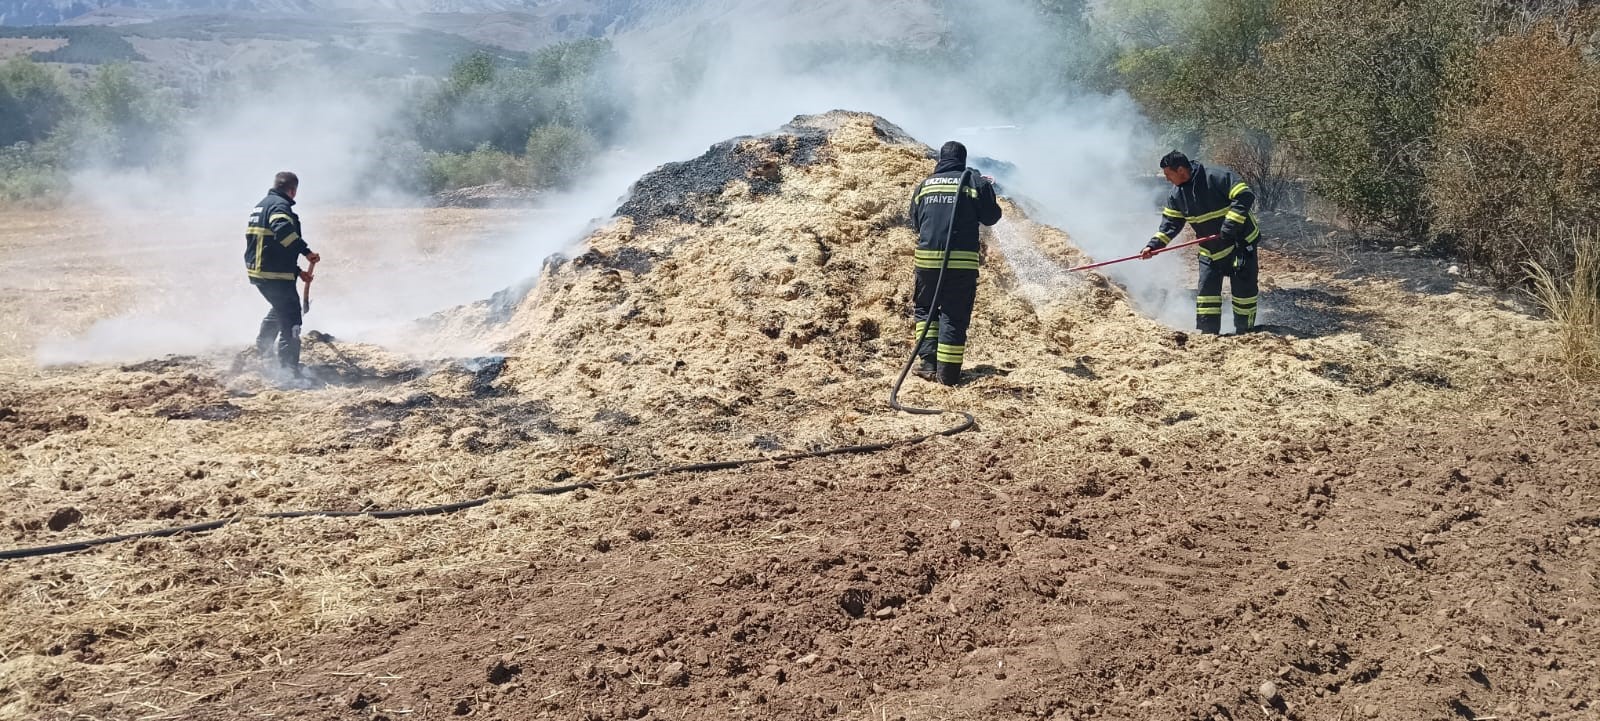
[1104, 263]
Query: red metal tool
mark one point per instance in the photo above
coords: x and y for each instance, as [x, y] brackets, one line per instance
[1104, 263]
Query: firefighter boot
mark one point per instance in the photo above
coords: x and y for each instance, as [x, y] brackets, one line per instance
[950, 373]
[264, 340]
[289, 351]
[927, 370]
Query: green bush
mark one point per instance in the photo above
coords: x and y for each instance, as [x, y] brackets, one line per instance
[33, 101]
[482, 166]
[557, 155]
[486, 101]
[1355, 88]
[30, 174]
[123, 122]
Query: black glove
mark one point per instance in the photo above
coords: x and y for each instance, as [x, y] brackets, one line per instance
[1231, 231]
[1242, 253]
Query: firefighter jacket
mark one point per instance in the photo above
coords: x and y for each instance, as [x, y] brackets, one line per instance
[1214, 202]
[932, 205]
[272, 240]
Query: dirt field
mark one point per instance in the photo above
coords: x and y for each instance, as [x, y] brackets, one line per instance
[1382, 508]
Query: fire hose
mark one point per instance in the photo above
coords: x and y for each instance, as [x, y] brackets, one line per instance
[968, 421]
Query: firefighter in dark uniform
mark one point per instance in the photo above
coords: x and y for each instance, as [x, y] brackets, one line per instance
[1215, 202]
[273, 245]
[952, 193]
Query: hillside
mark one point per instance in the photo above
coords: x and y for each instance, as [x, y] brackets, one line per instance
[66, 12]
[1379, 510]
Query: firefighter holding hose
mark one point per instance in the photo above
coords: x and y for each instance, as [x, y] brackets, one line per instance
[946, 210]
[1216, 203]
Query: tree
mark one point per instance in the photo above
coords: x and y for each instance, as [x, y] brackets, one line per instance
[557, 155]
[123, 122]
[1355, 87]
[567, 85]
[33, 102]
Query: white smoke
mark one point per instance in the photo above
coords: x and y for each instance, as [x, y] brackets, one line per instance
[698, 73]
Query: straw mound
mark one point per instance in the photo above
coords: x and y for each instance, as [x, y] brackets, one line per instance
[758, 294]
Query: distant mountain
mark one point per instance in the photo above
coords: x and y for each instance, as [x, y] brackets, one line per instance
[193, 44]
[65, 12]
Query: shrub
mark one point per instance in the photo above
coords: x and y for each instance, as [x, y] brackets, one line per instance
[484, 101]
[29, 175]
[1573, 304]
[482, 166]
[1518, 158]
[557, 155]
[1258, 159]
[123, 121]
[33, 101]
[1354, 88]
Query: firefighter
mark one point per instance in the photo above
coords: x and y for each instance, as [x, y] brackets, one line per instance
[952, 193]
[1214, 202]
[273, 245]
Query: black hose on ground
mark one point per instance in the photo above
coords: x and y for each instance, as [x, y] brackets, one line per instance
[15, 553]
[968, 421]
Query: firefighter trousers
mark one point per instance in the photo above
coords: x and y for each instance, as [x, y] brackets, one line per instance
[947, 331]
[1240, 268]
[282, 322]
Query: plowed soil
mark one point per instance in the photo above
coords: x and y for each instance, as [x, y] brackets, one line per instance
[1383, 507]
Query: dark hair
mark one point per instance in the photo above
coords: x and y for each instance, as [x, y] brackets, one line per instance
[1174, 159]
[285, 181]
[953, 151]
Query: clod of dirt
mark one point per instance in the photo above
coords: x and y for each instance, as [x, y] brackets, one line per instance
[1268, 691]
[854, 602]
[502, 670]
[675, 674]
[64, 517]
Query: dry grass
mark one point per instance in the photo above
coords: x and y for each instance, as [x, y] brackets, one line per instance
[1573, 303]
